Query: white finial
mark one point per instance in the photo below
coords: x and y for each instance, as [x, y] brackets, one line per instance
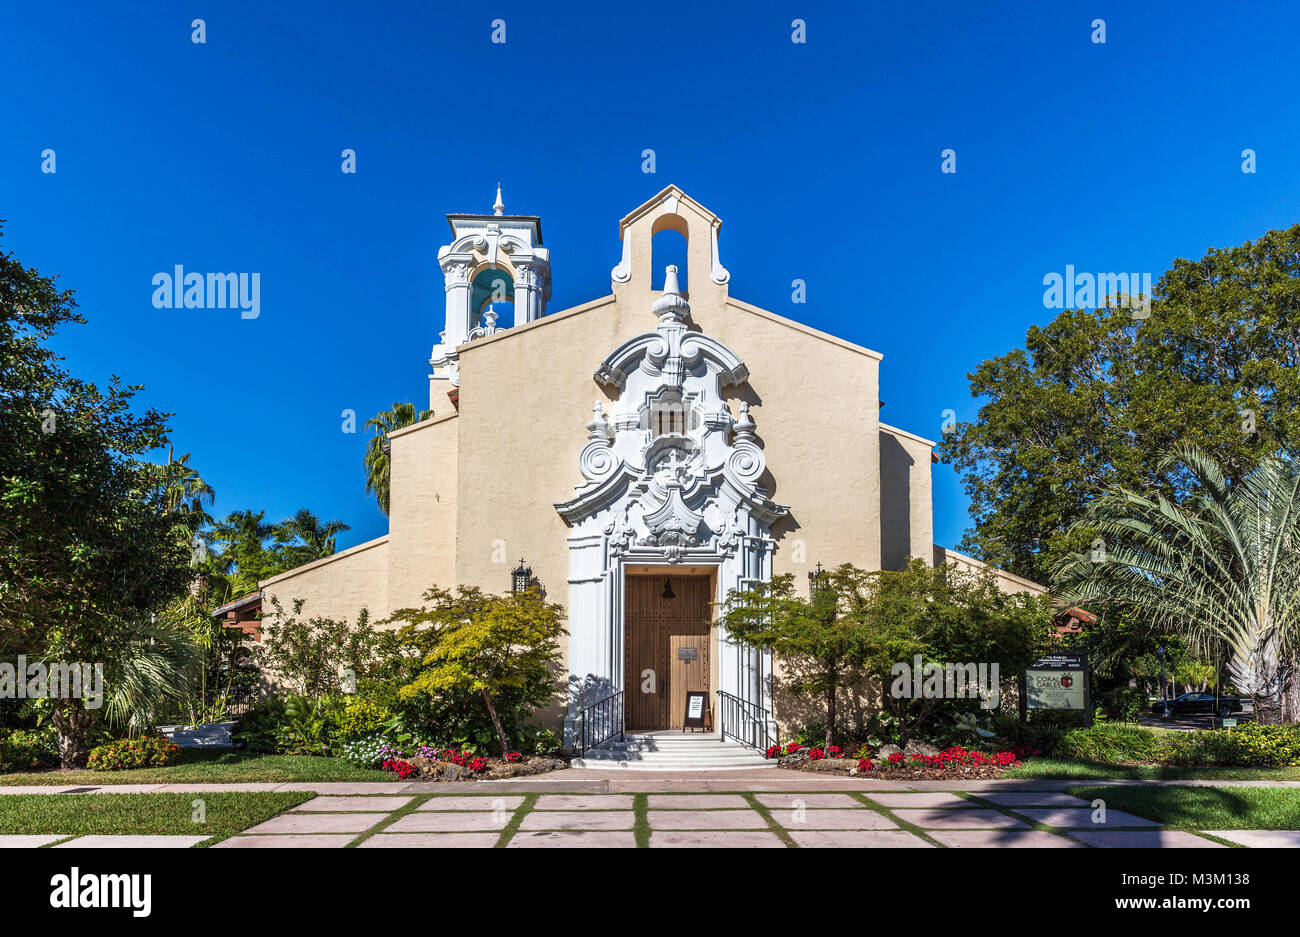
[670, 280]
[499, 208]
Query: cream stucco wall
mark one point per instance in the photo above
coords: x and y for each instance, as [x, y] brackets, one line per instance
[1007, 582]
[339, 586]
[906, 507]
[422, 509]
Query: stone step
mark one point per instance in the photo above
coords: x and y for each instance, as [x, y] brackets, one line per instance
[673, 752]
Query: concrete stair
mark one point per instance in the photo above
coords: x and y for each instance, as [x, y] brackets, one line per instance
[673, 751]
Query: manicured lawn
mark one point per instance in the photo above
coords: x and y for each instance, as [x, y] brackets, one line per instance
[1205, 808]
[1050, 768]
[82, 814]
[199, 766]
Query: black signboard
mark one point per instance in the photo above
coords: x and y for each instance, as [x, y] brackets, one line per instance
[1058, 680]
[697, 710]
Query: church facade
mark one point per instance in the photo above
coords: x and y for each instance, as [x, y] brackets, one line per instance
[652, 450]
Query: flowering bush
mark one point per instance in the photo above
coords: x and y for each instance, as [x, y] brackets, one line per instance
[147, 751]
[514, 756]
[29, 748]
[773, 751]
[834, 752]
[956, 755]
[368, 752]
[403, 769]
[816, 754]
[864, 765]
[477, 764]
[792, 748]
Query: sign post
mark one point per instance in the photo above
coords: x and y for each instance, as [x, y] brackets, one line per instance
[1058, 681]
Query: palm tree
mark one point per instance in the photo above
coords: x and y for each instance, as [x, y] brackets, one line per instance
[1223, 567]
[377, 460]
[318, 538]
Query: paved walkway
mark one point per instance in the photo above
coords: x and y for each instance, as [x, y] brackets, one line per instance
[745, 809]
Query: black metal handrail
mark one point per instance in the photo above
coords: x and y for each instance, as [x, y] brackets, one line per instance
[746, 722]
[598, 723]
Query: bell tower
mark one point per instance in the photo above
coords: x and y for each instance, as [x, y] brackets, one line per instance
[492, 261]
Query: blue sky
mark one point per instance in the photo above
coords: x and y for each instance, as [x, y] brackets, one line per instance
[823, 160]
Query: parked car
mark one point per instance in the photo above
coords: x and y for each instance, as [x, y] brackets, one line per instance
[1193, 703]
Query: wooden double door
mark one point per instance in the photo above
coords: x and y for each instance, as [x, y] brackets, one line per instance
[666, 648]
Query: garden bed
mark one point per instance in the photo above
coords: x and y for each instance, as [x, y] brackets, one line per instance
[917, 763]
[427, 764]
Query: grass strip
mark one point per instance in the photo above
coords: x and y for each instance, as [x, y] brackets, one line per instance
[388, 821]
[222, 814]
[890, 815]
[512, 825]
[766, 814]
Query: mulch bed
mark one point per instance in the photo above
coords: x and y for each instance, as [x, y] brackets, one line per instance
[888, 772]
[430, 769]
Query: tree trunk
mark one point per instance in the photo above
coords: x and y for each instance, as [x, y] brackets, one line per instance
[830, 716]
[496, 721]
[1282, 705]
[71, 722]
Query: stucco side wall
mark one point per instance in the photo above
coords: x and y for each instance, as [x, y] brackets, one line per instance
[423, 499]
[1007, 582]
[338, 586]
[906, 506]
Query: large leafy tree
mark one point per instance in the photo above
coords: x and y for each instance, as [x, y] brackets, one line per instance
[857, 625]
[475, 644]
[377, 461]
[1222, 567]
[1097, 397]
[89, 550]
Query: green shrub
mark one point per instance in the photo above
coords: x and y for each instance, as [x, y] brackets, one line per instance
[1251, 745]
[256, 728]
[147, 751]
[1110, 742]
[24, 749]
[362, 717]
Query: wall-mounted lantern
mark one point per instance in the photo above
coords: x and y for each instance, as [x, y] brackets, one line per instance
[522, 577]
[816, 580]
[668, 590]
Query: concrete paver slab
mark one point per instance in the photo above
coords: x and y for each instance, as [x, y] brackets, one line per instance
[967, 819]
[706, 820]
[859, 839]
[488, 802]
[319, 823]
[696, 802]
[353, 804]
[1144, 839]
[815, 801]
[430, 841]
[584, 802]
[719, 839]
[26, 841]
[1080, 818]
[1003, 839]
[920, 800]
[287, 841]
[450, 821]
[572, 839]
[860, 819]
[1033, 799]
[1260, 839]
[579, 820]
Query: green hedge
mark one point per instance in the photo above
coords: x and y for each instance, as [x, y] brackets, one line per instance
[1250, 745]
[1110, 742]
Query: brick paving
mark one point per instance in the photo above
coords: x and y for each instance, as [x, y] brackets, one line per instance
[682, 812]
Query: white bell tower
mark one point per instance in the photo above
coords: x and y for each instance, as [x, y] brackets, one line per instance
[492, 260]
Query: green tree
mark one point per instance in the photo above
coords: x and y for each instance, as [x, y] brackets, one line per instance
[1221, 568]
[315, 656]
[818, 639]
[472, 643]
[377, 461]
[859, 625]
[1097, 397]
[303, 538]
[89, 550]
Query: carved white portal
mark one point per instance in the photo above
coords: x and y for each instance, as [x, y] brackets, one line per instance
[671, 478]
